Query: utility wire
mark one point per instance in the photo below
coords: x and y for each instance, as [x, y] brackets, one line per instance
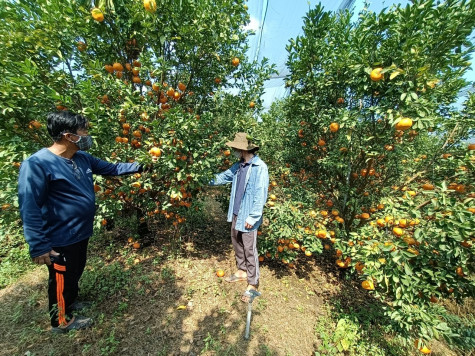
[346, 4]
[263, 20]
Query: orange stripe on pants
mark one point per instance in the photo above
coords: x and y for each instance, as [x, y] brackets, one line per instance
[60, 299]
[59, 267]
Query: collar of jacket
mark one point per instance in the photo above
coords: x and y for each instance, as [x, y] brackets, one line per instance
[256, 161]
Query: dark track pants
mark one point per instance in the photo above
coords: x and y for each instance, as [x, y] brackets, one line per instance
[245, 249]
[64, 275]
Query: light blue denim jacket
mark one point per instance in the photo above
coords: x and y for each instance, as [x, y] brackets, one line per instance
[255, 193]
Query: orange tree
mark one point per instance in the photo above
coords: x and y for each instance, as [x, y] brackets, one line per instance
[163, 83]
[376, 154]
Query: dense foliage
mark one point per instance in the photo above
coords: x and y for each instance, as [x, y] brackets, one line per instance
[372, 151]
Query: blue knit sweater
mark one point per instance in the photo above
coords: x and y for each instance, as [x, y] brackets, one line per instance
[56, 197]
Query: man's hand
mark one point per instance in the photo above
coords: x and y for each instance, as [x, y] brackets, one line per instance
[248, 226]
[44, 259]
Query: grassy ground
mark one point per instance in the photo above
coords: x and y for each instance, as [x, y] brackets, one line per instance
[165, 299]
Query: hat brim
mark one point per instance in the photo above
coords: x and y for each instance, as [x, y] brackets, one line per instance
[240, 146]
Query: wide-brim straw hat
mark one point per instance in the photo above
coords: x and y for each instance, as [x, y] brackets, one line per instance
[242, 141]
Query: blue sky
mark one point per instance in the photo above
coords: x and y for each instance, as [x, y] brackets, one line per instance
[283, 21]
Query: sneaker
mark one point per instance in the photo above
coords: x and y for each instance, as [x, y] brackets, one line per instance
[79, 322]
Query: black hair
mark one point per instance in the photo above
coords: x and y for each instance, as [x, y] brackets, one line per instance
[65, 121]
[254, 150]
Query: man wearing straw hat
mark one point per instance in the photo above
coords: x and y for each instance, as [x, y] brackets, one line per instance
[250, 182]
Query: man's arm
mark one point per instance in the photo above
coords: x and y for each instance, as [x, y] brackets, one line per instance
[226, 176]
[101, 167]
[32, 192]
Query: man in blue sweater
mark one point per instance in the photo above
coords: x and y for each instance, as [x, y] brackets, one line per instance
[57, 206]
[250, 183]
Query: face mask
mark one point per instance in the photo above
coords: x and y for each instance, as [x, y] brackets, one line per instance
[84, 143]
[237, 154]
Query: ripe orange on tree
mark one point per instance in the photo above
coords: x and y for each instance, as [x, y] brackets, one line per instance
[404, 124]
[150, 5]
[359, 266]
[181, 86]
[97, 14]
[334, 127]
[118, 67]
[109, 68]
[368, 284]
[376, 74]
[398, 231]
[81, 46]
[35, 124]
[171, 92]
[252, 104]
[235, 61]
[459, 271]
[343, 264]
[155, 151]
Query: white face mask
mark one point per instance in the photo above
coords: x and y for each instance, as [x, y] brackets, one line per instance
[237, 154]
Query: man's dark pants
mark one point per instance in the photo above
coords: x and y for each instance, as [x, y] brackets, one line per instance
[64, 275]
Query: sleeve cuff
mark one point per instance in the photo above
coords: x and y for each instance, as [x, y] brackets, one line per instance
[251, 221]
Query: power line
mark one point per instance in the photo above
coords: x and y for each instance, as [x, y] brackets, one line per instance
[261, 30]
[346, 4]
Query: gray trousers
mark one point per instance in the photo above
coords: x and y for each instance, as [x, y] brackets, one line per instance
[245, 249]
